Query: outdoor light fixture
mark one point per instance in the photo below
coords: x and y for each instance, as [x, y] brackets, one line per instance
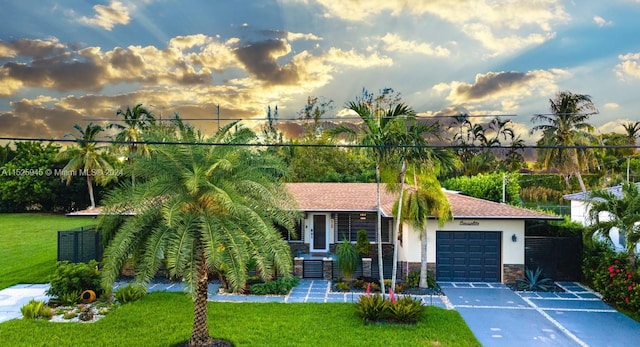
[363, 216]
[514, 238]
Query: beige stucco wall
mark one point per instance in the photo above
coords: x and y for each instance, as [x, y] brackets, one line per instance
[512, 252]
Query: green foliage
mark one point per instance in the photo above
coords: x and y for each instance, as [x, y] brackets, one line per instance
[362, 243]
[280, 286]
[36, 309]
[413, 279]
[70, 278]
[372, 308]
[343, 286]
[130, 293]
[347, 255]
[69, 298]
[533, 281]
[610, 274]
[562, 228]
[405, 310]
[487, 186]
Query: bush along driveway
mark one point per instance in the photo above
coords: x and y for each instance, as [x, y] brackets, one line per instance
[498, 316]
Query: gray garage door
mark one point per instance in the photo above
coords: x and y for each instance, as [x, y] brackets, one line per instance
[472, 256]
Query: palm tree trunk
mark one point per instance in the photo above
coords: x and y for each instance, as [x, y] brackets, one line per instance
[379, 230]
[200, 335]
[582, 186]
[423, 259]
[396, 229]
[90, 186]
[632, 254]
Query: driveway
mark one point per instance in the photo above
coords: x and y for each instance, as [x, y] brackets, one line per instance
[499, 316]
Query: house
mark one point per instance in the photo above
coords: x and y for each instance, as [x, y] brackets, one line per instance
[483, 243]
[580, 207]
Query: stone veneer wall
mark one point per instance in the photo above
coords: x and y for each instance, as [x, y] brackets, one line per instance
[511, 272]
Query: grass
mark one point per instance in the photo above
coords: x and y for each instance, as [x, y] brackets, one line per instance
[164, 319]
[29, 246]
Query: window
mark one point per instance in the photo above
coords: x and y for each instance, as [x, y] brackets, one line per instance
[289, 236]
[348, 225]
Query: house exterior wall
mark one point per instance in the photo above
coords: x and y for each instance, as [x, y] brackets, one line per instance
[580, 214]
[512, 253]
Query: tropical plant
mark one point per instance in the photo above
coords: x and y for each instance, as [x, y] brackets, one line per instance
[36, 309]
[362, 243]
[130, 293]
[280, 286]
[347, 261]
[420, 204]
[405, 310]
[71, 279]
[136, 121]
[533, 281]
[622, 212]
[372, 308]
[200, 208]
[565, 133]
[87, 158]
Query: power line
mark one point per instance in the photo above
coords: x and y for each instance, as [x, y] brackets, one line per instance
[299, 119]
[319, 145]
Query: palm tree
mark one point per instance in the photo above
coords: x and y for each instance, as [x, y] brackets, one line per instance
[86, 158]
[136, 121]
[425, 200]
[564, 131]
[377, 133]
[623, 213]
[205, 207]
[632, 131]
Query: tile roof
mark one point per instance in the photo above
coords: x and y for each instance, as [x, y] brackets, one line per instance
[361, 197]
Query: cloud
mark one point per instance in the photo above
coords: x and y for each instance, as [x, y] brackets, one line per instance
[601, 22]
[393, 42]
[611, 105]
[261, 61]
[507, 88]
[31, 48]
[629, 66]
[499, 26]
[108, 16]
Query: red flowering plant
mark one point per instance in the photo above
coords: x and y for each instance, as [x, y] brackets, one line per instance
[617, 282]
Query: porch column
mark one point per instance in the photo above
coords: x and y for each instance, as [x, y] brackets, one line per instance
[298, 267]
[366, 267]
[327, 269]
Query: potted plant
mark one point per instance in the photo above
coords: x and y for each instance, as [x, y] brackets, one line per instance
[347, 255]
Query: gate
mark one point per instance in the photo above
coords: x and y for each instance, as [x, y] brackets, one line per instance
[80, 246]
[560, 258]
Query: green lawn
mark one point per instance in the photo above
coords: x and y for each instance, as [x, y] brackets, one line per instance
[28, 246]
[164, 319]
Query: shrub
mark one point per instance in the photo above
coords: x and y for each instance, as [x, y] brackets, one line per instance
[406, 310]
[533, 281]
[36, 309]
[413, 278]
[130, 293]
[70, 298]
[347, 258]
[280, 286]
[372, 308]
[343, 286]
[362, 243]
[75, 277]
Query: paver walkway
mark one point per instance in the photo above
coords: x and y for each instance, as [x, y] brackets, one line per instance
[319, 291]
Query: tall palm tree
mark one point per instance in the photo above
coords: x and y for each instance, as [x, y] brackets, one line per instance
[201, 208]
[426, 199]
[564, 131]
[87, 159]
[136, 121]
[377, 132]
[623, 213]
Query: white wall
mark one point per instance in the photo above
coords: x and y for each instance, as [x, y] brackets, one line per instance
[580, 214]
[512, 252]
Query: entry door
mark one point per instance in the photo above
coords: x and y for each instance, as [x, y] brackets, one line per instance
[319, 234]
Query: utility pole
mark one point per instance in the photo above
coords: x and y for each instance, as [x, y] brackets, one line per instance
[218, 111]
[504, 188]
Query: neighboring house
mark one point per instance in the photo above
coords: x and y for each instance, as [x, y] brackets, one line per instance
[483, 243]
[580, 208]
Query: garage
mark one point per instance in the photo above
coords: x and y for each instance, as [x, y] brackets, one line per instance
[468, 256]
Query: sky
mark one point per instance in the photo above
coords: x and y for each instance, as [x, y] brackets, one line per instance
[72, 62]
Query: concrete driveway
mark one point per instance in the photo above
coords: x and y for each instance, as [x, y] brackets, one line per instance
[499, 316]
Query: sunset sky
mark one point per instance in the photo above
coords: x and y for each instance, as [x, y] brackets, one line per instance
[66, 62]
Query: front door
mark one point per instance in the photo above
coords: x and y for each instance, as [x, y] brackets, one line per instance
[319, 234]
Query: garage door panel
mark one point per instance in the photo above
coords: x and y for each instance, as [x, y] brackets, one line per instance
[468, 256]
